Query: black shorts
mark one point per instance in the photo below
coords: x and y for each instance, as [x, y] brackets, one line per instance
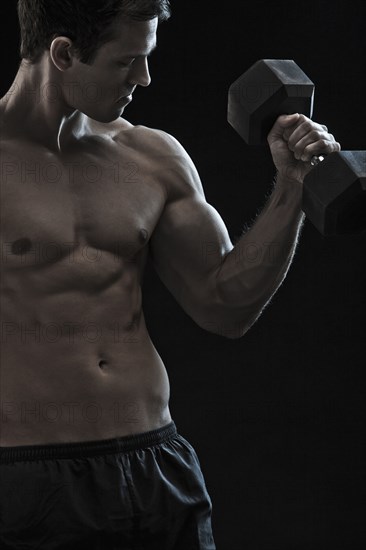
[140, 492]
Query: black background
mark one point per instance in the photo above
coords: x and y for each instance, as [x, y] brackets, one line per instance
[277, 417]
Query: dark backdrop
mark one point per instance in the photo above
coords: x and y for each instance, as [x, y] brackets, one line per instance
[277, 417]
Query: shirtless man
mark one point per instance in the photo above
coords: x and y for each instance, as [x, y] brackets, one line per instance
[90, 456]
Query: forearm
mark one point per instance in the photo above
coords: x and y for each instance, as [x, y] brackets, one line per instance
[253, 271]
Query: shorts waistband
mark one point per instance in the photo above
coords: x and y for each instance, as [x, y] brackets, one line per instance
[88, 448]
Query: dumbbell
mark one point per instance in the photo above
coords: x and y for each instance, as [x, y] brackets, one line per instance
[334, 191]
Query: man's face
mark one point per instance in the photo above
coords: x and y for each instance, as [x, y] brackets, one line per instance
[103, 89]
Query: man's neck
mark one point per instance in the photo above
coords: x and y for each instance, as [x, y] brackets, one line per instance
[35, 105]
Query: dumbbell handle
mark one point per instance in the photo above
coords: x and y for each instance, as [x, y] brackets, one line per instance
[315, 160]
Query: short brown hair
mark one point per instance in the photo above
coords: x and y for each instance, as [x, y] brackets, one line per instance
[86, 22]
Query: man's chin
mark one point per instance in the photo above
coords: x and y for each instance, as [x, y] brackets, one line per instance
[107, 117]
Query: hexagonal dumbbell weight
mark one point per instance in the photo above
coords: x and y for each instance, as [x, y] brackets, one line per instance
[268, 89]
[334, 196]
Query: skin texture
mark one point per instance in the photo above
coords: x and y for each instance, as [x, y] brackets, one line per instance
[85, 197]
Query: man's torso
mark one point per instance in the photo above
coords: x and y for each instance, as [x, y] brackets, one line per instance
[77, 362]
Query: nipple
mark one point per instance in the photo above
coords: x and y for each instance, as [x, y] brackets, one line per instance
[21, 246]
[144, 235]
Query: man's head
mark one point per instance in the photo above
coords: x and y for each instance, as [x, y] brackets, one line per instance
[93, 52]
[88, 23]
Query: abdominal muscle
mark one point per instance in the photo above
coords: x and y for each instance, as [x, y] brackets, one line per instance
[86, 371]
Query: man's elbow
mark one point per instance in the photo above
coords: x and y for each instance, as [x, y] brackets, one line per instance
[225, 317]
[220, 313]
[231, 329]
[228, 322]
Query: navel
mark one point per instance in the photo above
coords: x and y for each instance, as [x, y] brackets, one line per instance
[102, 364]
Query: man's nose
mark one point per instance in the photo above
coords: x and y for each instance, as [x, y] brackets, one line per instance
[139, 74]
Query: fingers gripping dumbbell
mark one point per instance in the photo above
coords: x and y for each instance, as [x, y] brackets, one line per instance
[334, 192]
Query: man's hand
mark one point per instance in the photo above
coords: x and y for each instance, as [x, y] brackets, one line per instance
[294, 140]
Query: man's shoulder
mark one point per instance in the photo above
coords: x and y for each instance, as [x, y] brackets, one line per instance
[151, 143]
[153, 140]
[162, 153]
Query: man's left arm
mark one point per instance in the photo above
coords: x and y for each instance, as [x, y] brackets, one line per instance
[224, 288]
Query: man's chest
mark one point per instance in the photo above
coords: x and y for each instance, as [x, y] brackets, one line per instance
[49, 207]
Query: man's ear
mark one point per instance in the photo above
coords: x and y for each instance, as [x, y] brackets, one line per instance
[61, 52]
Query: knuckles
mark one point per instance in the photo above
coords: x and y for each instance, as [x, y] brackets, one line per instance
[308, 126]
[303, 119]
[322, 143]
[307, 136]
